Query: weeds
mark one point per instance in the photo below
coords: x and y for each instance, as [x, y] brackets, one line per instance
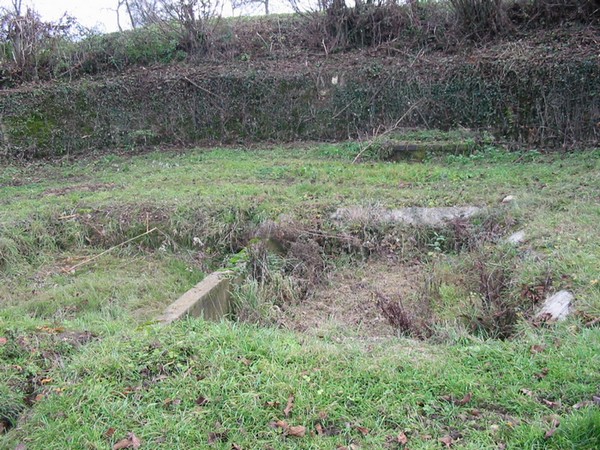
[414, 321]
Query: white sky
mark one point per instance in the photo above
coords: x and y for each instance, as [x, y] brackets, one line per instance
[100, 13]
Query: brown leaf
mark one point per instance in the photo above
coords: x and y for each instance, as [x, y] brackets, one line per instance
[297, 431]
[236, 447]
[542, 374]
[3, 341]
[554, 427]
[279, 424]
[550, 404]
[583, 404]
[537, 349]
[273, 404]
[201, 401]
[172, 402]
[289, 406]
[466, 399]
[219, 436]
[447, 441]
[527, 392]
[319, 429]
[364, 431]
[131, 441]
[402, 439]
[109, 433]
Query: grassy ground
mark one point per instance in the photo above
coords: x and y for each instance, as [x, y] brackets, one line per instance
[81, 366]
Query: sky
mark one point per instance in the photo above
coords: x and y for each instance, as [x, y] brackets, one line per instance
[99, 14]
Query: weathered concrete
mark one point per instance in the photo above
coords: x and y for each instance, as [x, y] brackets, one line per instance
[210, 299]
[555, 307]
[416, 216]
[394, 150]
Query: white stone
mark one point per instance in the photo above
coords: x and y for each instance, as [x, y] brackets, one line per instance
[556, 307]
[516, 238]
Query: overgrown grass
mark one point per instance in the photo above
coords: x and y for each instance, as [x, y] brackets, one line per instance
[196, 383]
[129, 376]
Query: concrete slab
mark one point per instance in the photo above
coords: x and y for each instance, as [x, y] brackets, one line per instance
[211, 299]
[415, 216]
[555, 307]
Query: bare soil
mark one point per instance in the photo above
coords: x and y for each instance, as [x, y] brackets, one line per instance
[346, 305]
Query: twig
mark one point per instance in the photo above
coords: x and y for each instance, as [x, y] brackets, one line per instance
[107, 251]
[193, 83]
[389, 130]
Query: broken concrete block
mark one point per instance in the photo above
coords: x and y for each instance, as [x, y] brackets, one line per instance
[210, 299]
[555, 307]
[416, 216]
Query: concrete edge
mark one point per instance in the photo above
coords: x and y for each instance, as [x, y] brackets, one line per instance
[210, 299]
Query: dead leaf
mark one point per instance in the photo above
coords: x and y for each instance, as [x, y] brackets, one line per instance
[527, 392]
[542, 374]
[201, 401]
[236, 447]
[3, 341]
[297, 431]
[554, 427]
[550, 404]
[319, 429]
[537, 349]
[219, 436]
[364, 431]
[273, 404]
[109, 433]
[46, 381]
[131, 441]
[289, 406]
[583, 404]
[466, 399]
[447, 441]
[402, 439]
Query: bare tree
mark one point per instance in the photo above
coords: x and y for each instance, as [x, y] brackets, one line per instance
[189, 20]
[239, 4]
[26, 36]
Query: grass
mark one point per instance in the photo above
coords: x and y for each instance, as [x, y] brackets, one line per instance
[127, 375]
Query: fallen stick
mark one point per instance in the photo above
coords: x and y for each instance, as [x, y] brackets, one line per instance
[107, 251]
[389, 130]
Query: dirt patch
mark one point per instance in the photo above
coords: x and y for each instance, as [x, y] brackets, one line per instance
[90, 187]
[347, 305]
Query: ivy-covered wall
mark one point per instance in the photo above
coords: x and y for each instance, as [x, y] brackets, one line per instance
[548, 104]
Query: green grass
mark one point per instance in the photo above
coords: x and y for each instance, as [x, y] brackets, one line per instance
[149, 381]
[205, 204]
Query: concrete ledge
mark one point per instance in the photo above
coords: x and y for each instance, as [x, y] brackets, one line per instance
[211, 299]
